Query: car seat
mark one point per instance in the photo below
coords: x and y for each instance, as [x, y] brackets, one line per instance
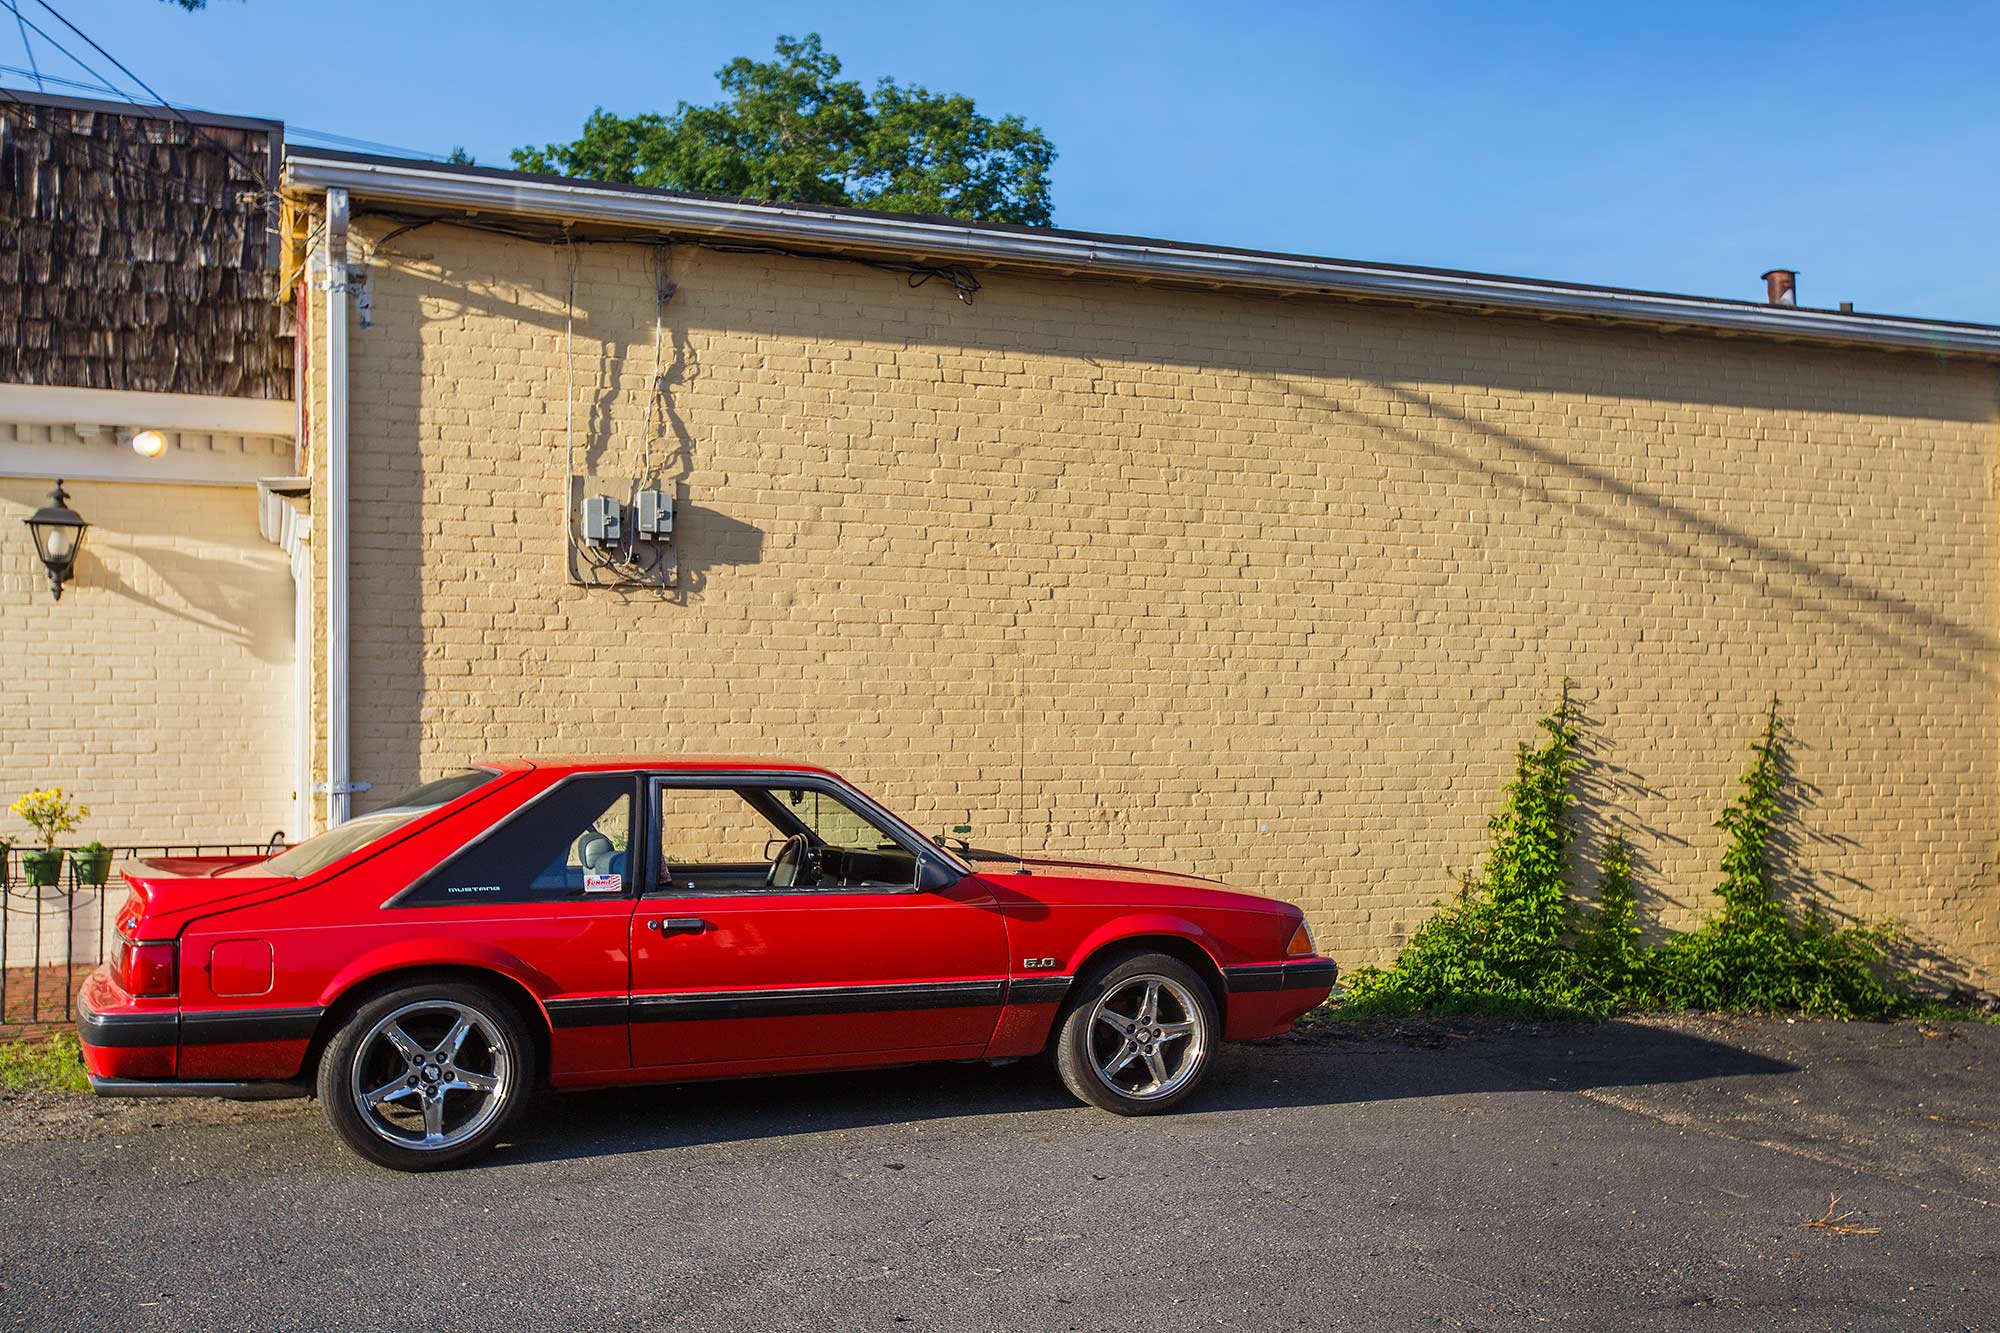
[596, 854]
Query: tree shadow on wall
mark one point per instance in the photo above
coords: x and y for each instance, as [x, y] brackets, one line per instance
[229, 597]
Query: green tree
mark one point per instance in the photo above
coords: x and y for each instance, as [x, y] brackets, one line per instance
[792, 130]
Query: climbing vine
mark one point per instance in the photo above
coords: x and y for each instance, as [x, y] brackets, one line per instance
[1515, 940]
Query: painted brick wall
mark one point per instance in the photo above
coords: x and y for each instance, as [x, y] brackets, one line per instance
[1260, 589]
[159, 689]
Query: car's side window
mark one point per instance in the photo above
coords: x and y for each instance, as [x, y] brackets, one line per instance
[574, 842]
[712, 828]
[753, 838]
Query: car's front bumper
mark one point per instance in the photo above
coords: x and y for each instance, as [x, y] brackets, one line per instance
[1265, 999]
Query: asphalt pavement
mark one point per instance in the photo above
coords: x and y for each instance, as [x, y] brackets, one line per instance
[1414, 1176]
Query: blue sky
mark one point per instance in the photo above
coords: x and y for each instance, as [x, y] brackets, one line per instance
[1685, 148]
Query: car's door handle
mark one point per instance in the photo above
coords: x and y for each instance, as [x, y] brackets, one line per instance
[677, 925]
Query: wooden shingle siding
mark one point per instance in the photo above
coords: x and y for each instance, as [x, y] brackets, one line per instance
[135, 253]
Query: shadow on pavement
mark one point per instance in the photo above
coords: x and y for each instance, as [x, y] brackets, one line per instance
[1325, 1066]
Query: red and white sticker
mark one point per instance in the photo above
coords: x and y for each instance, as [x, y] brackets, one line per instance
[603, 883]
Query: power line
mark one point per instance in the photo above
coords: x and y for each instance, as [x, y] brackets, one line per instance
[301, 132]
[110, 158]
[291, 131]
[41, 78]
[33, 68]
[119, 65]
[29, 24]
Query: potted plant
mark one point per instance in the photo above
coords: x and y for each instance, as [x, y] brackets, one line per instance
[92, 862]
[50, 813]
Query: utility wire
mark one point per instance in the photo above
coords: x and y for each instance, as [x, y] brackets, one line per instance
[41, 78]
[33, 69]
[180, 183]
[110, 158]
[291, 131]
[258, 176]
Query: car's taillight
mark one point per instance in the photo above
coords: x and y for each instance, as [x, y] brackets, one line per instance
[148, 968]
[1301, 944]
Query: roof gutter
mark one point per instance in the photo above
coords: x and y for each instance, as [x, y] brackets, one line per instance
[936, 239]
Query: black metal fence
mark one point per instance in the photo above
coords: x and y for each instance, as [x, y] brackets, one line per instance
[56, 933]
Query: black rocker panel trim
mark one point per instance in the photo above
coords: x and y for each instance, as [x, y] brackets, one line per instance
[218, 1027]
[595, 1011]
[711, 1005]
[1037, 990]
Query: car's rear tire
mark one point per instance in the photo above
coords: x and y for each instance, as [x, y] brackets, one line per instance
[426, 1076]
[1137, 1038]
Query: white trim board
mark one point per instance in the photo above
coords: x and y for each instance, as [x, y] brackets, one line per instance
[191, 459]
[52, 405]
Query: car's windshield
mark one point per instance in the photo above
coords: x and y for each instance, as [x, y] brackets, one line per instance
[319, 852]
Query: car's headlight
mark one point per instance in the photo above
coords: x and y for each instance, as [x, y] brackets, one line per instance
[1301, 943]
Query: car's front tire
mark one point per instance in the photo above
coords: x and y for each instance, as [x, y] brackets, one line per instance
[426, 1076]
[1137, 1038]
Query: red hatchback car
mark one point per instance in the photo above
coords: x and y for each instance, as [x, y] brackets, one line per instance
[424, 967]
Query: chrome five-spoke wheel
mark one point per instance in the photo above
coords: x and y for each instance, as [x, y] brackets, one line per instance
[432, 1075]
[1147, 1037]
[1137, 1037]
[425, 1076]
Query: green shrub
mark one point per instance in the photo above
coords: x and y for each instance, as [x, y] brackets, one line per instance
[1608, 952]
[1501, 945]
[1758, 955]
[1513, 942]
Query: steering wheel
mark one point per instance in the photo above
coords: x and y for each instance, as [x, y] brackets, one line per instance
[788, 864]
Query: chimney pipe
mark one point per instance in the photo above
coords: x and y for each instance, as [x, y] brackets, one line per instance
[1781, 286]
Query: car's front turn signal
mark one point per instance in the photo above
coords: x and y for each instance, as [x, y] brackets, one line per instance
[1301, 944]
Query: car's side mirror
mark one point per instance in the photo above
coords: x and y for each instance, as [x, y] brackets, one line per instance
[934, 874]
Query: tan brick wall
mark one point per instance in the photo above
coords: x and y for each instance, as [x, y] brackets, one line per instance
[159, 689]
[1262, 589]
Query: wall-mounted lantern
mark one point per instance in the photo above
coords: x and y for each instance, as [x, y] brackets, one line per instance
[149, 443]
[58, 531]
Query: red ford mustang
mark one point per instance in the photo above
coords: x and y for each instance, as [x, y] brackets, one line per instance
[424, 967]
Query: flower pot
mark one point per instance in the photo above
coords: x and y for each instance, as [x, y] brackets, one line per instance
[92, 868]
[43, 868]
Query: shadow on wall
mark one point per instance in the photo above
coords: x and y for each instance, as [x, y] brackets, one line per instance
[389, 602]
[231, 597]
[706, 539]
[1605, 793]
[1676, 532]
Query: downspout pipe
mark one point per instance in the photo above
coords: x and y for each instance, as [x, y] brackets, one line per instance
[333, 439]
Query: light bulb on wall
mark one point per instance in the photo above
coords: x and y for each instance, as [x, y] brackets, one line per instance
[149, 443]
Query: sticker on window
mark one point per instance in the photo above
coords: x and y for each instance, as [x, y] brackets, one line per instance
[603, 883]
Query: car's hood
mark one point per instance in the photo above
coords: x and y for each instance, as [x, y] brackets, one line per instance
[1052, 881]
